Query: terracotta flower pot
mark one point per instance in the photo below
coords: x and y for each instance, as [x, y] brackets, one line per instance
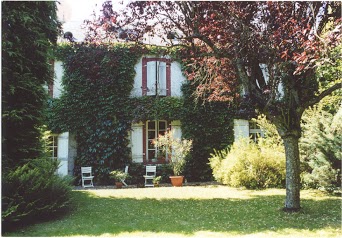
[118, 184]
[177, 181]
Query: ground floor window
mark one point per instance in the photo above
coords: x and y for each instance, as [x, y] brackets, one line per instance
[254, 131]
[153, 130]
[53, 146]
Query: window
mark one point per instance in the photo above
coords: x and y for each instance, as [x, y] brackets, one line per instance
[254, 131]
[156, 77]
[53, 146]
[153, 130]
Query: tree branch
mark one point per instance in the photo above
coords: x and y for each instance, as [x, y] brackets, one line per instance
[325, 93]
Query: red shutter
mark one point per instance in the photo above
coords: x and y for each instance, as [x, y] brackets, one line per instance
[144, 76]
[144, 143]
[168, 77]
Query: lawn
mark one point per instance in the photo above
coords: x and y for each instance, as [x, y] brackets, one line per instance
[193, 211]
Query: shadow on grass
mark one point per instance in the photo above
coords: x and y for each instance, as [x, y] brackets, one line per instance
[95, 216]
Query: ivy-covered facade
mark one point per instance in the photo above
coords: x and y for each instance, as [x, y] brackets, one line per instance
[109, 102]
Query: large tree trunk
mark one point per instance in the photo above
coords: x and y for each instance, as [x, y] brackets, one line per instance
[292, 202]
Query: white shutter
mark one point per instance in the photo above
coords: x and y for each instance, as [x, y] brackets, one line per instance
[151, 78]
[137, 143]
[241, 129]
[57, 83]
[63, 153]
[176, 129]
[162, 78]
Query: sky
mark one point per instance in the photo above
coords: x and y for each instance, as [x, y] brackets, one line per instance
[72, 13]
[77, 10]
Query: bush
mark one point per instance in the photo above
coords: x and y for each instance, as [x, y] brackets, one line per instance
[320, 149]
[34, 192]
[248, 165]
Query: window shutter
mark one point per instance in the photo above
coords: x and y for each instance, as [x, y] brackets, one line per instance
[137, 141]
[162, 78]
[151, 78]
[168, 77]
[241, 129]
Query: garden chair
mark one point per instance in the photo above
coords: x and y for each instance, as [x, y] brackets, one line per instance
[123, 180]
[151, 171]
[87, 177]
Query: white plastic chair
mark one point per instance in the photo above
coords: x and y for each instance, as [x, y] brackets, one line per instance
[151, 171]
[87, 176]
[126, 172]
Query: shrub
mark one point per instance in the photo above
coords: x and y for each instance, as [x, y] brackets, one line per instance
[320, 149]
[249, 165]
[177, 148]
[34, 192]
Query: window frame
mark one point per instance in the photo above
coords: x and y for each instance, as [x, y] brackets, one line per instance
[53, 146]
[144, 87]
[148, 139]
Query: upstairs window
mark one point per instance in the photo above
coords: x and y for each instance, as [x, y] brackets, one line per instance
[156, 77]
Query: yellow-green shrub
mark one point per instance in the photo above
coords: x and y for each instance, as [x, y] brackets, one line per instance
[248, 165]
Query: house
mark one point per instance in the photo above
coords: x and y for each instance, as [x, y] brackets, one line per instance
[155, 76]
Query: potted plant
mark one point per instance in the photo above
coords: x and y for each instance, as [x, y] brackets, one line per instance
[118, 176]
[156, 181]
[177, 149]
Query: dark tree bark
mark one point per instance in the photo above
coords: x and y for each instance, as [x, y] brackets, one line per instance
[292, 201]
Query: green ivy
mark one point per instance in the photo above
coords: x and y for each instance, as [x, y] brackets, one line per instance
[151, 108]
[96, 106]
[210, 126]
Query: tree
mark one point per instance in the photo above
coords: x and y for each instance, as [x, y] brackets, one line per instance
[28, 31]
[271, 48]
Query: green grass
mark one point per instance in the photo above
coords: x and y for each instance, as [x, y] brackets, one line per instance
[212, 211]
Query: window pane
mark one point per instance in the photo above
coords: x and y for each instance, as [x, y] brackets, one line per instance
[151, 125]
[150, 144]
[151, 154]
[55, 152]
[151, 135]
[161, 133]
[162, 125]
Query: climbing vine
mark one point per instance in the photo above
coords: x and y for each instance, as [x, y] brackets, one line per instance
[210, 126]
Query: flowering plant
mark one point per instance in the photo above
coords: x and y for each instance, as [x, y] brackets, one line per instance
[118, 175]
[177, 148]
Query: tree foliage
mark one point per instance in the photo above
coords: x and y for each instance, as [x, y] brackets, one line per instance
[34, 192]
[271, 49]
[29, 30]
[31, 189]
[210, 126]
[320, 149]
